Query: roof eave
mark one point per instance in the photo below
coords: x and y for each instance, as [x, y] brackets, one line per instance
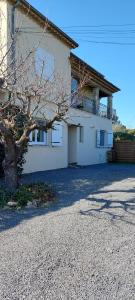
[98, 75]
[68, 40]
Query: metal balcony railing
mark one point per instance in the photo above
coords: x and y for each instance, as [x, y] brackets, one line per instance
[87, 104]
[103, 111]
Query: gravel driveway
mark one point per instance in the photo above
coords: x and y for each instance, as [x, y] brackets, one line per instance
[83, 247]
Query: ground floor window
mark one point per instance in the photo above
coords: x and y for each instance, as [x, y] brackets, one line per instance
[81, 134]
[38, 137]
[104, 138]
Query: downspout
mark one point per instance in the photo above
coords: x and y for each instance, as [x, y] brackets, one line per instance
[13, 31]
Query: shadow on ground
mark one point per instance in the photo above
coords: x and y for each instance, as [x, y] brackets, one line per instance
[108, 188]
[112, 208]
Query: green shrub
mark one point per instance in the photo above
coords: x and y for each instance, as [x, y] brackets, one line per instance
[22, 196]
[121, 136]
[42, 193]
[4, 197]
[2, 155]
[39, 193]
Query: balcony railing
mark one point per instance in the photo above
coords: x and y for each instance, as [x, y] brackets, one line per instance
[103, 112]
[87, 104]
[84, 103]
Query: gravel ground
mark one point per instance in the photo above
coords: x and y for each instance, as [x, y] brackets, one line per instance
[83, 247]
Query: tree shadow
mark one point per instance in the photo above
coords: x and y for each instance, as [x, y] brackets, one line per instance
[74, 184]
[116, 210]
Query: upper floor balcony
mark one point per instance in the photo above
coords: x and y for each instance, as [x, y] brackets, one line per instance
[96, 107]
[95, 89]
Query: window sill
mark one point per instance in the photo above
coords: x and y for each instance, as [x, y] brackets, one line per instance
[102, 147]
[56, 146]
[49, 146]
[37, 144]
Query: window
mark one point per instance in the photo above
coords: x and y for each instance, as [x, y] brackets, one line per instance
[104, 138]
[57, 135]
[74, 85]
[81, 134]
[38, 137]
[44, 64]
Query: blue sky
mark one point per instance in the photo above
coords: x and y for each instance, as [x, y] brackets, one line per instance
[116, 62]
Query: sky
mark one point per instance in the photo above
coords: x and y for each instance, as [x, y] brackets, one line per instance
[82, 20]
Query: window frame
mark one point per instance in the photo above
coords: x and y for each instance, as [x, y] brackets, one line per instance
[107, 139]
[81, 134]
[42, 55]
[74, 84]
[44, 143]
[104, 138]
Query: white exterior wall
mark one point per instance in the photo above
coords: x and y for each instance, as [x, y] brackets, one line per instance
[41, 158]
[3, 32]
[87, 152]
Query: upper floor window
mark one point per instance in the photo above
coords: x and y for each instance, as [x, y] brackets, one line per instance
[44, 64]
[74, 84]
[38, 137]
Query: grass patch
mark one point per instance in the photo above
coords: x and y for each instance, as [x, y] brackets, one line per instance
[38, 194]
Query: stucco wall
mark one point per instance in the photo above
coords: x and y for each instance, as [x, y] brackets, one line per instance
[3, 31]
[87, 152]
[40, 158]
[31, 35]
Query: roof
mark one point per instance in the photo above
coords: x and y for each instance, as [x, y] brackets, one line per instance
[96, 77]
[51, 26]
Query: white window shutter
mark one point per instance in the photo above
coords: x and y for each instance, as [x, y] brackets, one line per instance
[98, 138]
[110, 139]
[45, 138]
[57, 135]
[44, 64]
[49, 69]
[30, 137]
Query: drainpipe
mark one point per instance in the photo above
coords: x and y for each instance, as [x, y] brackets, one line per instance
[13, 48]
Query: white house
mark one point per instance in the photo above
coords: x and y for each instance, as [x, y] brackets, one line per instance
[86, 135]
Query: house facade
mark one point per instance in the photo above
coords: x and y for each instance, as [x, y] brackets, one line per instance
[86, 134]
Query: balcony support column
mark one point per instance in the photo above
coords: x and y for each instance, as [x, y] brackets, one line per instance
[109, 106]
[96, 101]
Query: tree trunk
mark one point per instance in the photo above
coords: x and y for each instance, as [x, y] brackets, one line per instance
[10, 165]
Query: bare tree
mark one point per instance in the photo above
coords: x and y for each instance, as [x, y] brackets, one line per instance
[28, 101]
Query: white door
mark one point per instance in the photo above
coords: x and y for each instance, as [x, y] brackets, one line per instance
[72, 144]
